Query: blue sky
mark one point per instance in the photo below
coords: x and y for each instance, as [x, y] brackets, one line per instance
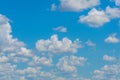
[60, 40]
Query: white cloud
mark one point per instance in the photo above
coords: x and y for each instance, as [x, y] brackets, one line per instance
[113, 12]
[3, 59]
[108, 72]
[60, 29]
[7, 72]
[77, 5]
[43, 61]
[11, 50]
[109, 58]
[36, 73]
[68, 64]
[25, 52]
[53, 45]
[90, 43]
[112, 39]
[7, 42]
[28, 70]
[95, 18]
[3, 19]
[117, 2]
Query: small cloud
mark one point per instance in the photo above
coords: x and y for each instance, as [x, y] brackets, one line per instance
[60, 29]
[90, 43]
[53, 7]
[109, 58]
[112, 39]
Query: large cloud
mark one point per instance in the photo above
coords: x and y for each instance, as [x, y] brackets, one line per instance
[53, 45]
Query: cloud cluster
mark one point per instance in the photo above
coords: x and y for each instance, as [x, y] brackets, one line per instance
[14, 54]
[108, 72]
[53, 45]
[11, 48]
[43, 61]
[68, 64]
[19, 63]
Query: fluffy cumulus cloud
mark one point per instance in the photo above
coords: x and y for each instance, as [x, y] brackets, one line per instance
[112, 39]
[108, 72]
[68, 64]
[109, 58]
[53, 45]
[77, 5]
[95, 18]
[60, 29]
